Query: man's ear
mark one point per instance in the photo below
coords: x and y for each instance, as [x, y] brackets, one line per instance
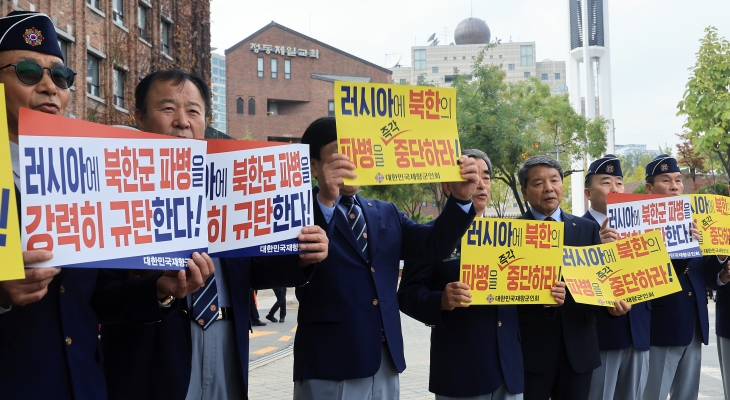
[446, 188]
[587, 193]
[139, 118]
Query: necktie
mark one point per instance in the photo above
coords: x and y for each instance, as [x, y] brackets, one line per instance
[205, 303]
[356, 221]
[549, 219]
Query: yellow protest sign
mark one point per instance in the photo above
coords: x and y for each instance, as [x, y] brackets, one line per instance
[711, 212]
[396, 134]
[10, 251]
[634, 269]
[511, 261]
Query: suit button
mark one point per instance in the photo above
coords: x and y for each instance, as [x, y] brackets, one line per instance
[185, 312]
[375, 302]
[372, 270]
[499, 323]
[62, 290]
[68, 341]
[690, 293]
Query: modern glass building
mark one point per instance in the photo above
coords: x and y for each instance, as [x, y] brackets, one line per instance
[218, 75]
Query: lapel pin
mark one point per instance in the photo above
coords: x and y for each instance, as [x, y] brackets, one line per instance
[573, 223]
[370, 204]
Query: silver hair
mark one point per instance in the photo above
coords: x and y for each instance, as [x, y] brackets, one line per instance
[537, 160]
[475, 153]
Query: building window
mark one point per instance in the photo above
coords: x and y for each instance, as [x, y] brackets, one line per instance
[420, 59]
[92, 75]
[165, 37]
[446, 58]
[142, 21]
[463, 57]
[64, 50]
[454, 58]
[435, 70]
[274, 67]
[93, 3]
[260, 67]
[527, 74]
[402, 81]
[500, 56]
[239, 106]
[118, 88]
[287, 69]
[511, 67]
[251, 107]
[491, 56]
[472, 57]
[526, 56]
[331, 108]
[118, 11]
[557, 76]
[420, 79]
[544, 77]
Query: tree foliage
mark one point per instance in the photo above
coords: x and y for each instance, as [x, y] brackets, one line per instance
[408, 198]
[706, 101]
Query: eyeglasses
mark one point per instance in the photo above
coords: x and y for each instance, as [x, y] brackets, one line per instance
[31, 73]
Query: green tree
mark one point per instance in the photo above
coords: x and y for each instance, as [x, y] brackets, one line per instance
[706, 101]
[408, 198]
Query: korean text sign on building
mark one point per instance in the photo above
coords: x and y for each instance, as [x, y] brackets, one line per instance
[633, 214]
[511, 261]
[397, 134]
[633, 269]
[99, 196]
[259, 197]
[713, 221]
[10, 253]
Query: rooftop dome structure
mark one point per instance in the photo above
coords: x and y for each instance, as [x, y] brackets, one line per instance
[472, 31]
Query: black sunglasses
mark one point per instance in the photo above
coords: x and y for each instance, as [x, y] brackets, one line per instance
[31, 73]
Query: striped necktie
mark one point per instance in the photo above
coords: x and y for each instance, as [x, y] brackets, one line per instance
[549, 219]
[356, 221]
[205, 303]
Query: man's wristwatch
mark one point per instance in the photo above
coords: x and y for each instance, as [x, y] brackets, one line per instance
[167, 301]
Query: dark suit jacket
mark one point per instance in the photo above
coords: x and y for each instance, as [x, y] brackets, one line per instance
[350, 302]
[474, 350]
[50, 349]
[543, 328]
[722, 309]
[153, 361]
[618, 333]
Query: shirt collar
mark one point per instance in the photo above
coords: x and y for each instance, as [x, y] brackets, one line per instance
[15, 159]
[556, 215]
[598, 216]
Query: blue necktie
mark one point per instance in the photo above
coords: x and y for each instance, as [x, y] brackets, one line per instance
[356, 221]
[205, 303]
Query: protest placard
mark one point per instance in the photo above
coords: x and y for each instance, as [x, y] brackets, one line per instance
[633, 269]
[634, 214]
[99, 196]
[511, 261]
[10, 252]
[397, 134]
[259, 197]
[713, 221]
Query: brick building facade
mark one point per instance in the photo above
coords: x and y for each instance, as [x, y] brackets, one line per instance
[113, 44]
[278, 81]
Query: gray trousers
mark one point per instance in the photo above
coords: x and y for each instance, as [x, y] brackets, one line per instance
[215, 372]
[723, 353]
[500, 394]
[621, 376]
[384, 385]
[675, 370]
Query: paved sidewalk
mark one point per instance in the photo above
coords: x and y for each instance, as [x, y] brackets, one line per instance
[274, 380]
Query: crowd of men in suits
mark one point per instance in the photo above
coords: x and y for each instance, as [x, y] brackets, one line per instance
[184, 334]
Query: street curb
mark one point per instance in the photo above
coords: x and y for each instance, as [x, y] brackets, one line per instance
[270, 358]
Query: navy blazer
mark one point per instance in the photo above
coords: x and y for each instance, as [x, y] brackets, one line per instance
[632, 328]
[153, 361]
[349, 302]
[674, 316]
[488, 334]
[542, 328]
[722, 308]
[50, 349]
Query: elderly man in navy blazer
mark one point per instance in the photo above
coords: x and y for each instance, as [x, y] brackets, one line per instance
[559, 345]
[348, 343]
[622, 339]
[679, 321]
[49, 321]
[722, 325]
[430, 292]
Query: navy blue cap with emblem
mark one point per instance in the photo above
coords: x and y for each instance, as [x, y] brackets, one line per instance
[607, 165]
[26, 30]
[662, 164]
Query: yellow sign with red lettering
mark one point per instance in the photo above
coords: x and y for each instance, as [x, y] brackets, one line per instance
[397, 134]
[10, 250]
[634, 269]
[712, 213]
[511, 261]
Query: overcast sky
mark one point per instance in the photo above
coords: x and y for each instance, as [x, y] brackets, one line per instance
[653, 42]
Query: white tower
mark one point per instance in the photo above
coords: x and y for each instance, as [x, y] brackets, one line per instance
[590, 56]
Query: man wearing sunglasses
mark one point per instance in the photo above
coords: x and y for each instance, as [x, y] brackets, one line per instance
[49, 347]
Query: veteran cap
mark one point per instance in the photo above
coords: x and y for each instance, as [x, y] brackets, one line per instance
[607, 165]
[26, 30]
[662, 164]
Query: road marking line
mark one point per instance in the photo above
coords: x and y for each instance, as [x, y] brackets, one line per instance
[284, 338]
[294, 329]
[265, 350]
[260, 333]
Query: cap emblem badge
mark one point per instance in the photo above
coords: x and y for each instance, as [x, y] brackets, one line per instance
[33, 37]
